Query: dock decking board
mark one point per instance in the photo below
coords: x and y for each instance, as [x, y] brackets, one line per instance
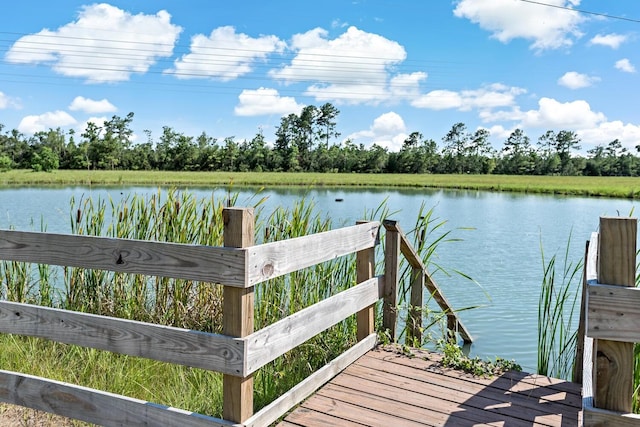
[385, 388]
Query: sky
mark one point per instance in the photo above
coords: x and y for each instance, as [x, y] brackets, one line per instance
[233, 69]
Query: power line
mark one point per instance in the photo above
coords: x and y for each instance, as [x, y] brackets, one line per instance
[587, 12]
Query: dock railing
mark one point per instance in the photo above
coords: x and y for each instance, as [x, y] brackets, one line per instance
[612, 319]
[238, 266]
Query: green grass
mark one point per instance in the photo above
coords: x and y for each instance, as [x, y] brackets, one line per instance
[622, 187]
[158, 382]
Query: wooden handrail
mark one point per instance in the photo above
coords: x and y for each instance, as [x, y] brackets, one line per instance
[175, 260]
[454, 323]
[164, 343]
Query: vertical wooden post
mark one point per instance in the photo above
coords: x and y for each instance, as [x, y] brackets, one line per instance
[237, 313]
[391, 267]
[414, 320]
[613, 373]
[365, 269]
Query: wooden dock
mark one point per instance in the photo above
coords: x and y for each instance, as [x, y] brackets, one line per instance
[385, 388]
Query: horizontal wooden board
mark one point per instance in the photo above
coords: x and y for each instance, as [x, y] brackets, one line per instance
[176, 345]
[613, 312]
[275, 340]
[303, 417]
[275, 259]
[192, 262]
[367, 409]
[95, 406]
[297, 394]
[594, 417]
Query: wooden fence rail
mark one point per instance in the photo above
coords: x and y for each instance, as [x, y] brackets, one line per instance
[612, 315]
[422, 279]
[239, 266]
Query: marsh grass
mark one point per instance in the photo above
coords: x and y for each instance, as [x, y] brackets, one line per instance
[558, 304]
[179, 217]
[624, 187]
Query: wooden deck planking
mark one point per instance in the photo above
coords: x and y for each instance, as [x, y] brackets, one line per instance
[385, 388]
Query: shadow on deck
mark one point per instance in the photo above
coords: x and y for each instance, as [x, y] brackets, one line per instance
[384, 388]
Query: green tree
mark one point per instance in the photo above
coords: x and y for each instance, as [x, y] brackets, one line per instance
[5, 163]
[230, 154]
[455, 147]
[480, 159]
[209, 152]
[517, 154]
[326, 123]
[565, 142]
[549, 162]
[44, 160]
[417, 155]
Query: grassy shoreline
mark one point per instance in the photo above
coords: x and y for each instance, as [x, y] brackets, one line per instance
[618, 187]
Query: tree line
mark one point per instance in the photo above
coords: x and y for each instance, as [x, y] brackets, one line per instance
[309, 142]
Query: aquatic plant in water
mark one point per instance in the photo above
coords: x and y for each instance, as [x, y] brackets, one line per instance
[557, 307]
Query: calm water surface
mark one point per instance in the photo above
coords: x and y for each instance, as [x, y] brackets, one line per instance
[501, 242]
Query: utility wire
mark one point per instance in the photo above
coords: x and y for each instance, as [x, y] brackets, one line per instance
[587, 12]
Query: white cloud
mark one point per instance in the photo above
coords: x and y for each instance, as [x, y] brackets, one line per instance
[574, 80]
[605, 132]
[438, 100]
[498, 132]
[553, 114]
[388, 131]
[625, 65]
[353, 68]
[8, 102]
[592, 127]
[485, 98]
[491, 96]
[337, 23]
[80, 103]
[265, 101]
[406, 86]
[546, 27]
[98, 121]
[105, 44]
[514, 114]
[611, 40]
[43, 122]
[224, 55]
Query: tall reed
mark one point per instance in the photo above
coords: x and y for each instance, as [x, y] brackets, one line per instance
[172, 217]
[558, 303]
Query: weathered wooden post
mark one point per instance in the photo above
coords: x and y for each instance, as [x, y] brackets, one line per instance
[414, 318]
[238, 311]
[391, 267]
[365, 269]
[613, 376]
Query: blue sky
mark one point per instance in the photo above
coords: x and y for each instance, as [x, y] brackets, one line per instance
[390, 67]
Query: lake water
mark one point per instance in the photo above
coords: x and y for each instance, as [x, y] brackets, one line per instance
[501, 242]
